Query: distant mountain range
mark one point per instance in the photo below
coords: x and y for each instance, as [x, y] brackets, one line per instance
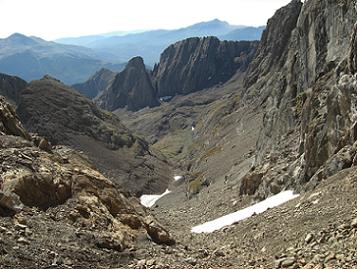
[73, 60]
[32, 57]
[150, 44]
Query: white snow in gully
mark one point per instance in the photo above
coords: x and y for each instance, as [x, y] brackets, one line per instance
[245, 213]
[148, 200]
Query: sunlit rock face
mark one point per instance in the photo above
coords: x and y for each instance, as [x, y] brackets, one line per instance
[198, 63]
[299, 76]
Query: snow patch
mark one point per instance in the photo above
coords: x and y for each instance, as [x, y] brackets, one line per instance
[149, 200]
[242, 214]
[177, 178]
[192, 128]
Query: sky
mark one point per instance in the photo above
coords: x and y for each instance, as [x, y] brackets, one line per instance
[51, 19]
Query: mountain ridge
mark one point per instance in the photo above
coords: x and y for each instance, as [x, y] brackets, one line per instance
[32, 57]
[157, 40]
[186, 66]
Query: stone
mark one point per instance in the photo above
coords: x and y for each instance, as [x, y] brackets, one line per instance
[250, 183]
[19, 226]
[67, 261]
[190, 260]
[9, 203]
[341, 257]
[219, 253]
[109, 243]
[45, 145]
[23, 240]
[288, 262]
[278, 262]
[157, 233]
[309, 238]
[141, 263]
[343, 227]
[354, 223]
[330, 257]
[151, 262]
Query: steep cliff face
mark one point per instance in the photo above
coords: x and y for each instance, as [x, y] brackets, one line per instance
[132, 88]
[198, 63]
[96, 83]
[63, 116]
[11, 86]
[309, 102]
[273, 47]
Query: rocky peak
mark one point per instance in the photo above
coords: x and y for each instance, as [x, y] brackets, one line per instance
[272, 50]
[136, 62]
[198, 63]
[20, 39]
[132, 88]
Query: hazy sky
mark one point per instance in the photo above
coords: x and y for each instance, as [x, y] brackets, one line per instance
[52, 19]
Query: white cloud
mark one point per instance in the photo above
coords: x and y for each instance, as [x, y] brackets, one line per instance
[58, 18]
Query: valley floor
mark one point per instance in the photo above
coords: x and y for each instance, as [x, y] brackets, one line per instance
[316, 230]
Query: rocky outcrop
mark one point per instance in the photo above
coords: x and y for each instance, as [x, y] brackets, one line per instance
[308, 98]
[9, 122]
[63, 116]
[96, 83]
[10, 87]
[198, 63]
[132, 88]
[65, 184]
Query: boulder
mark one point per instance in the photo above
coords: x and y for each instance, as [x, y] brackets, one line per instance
[157, 233]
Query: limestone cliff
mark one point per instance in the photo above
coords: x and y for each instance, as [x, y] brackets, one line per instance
[198, 63]
[308, 98]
